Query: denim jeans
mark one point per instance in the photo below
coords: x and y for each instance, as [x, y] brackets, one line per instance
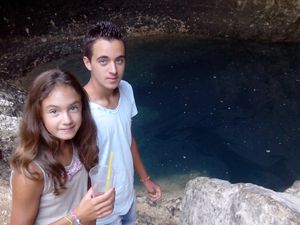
[127, 219]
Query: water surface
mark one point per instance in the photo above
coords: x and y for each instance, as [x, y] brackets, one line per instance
[228, 110]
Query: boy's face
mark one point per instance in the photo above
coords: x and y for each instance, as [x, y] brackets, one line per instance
[107, 64]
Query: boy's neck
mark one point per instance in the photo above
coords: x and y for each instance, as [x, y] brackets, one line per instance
[103, 97]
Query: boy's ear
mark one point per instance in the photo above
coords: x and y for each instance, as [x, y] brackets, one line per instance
[87, 63]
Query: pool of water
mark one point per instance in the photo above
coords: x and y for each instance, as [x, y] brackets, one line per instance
[228, 110]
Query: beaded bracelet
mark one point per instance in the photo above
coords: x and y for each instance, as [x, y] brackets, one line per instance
[75, 218]
[145, 179]
[68, 219]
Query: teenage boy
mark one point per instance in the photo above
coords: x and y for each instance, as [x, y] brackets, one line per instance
[113, 106]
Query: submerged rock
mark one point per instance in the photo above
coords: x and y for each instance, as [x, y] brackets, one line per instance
[212, 201]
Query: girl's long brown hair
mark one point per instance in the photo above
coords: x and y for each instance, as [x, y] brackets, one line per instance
[37, 144]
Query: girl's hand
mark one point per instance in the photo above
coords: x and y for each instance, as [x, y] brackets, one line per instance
[91, 208]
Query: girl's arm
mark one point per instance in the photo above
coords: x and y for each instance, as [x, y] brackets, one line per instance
[26, 195]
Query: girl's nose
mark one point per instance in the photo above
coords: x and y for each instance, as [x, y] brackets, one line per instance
[67, 118]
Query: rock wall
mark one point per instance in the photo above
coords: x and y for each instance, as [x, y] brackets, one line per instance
[268, 20]
[213, 201]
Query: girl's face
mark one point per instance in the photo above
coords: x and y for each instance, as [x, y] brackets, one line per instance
[62, 112]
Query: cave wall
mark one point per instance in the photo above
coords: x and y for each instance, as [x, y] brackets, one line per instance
[262, 20]
[35, 32]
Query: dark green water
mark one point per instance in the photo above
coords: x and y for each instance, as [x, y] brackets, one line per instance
[228, 110]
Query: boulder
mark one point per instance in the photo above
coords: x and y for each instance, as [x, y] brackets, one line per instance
[210, 201]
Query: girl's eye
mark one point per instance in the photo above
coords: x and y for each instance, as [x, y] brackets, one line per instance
[52, 111]
[74, 108]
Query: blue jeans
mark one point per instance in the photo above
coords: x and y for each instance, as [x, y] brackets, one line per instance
[127, 219]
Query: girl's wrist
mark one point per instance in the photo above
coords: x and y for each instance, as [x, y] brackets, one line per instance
[68, 218]
[74, 217]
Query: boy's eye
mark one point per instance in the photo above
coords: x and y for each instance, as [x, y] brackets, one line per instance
[120, 61]
[103, 61]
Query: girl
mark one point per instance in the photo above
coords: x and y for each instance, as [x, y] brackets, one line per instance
[57, 147]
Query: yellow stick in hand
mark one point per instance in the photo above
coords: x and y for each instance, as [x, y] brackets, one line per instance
[109, 171]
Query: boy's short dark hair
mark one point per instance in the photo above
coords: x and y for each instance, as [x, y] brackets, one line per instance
[102, 30]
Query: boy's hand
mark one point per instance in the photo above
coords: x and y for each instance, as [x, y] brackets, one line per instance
[154, 192]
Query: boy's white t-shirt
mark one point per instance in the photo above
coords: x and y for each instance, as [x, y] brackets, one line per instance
[114, 134]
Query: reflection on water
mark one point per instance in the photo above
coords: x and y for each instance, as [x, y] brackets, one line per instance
[221, 109]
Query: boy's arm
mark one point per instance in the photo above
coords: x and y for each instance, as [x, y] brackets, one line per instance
[153, 189]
